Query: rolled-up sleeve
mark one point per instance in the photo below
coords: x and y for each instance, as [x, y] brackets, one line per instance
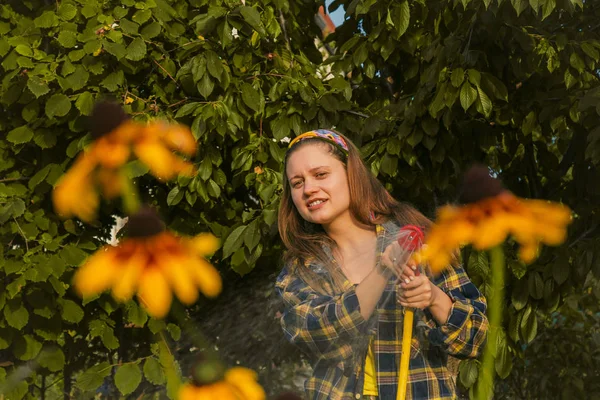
[322, 326]
[464, 333]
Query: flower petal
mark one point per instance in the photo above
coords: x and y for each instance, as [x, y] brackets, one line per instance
[133, 261]
[154, 292]
[188, 392]
[180, 138]
[75, 194]
[162, 163]
[97, 274]
[205, 244]
[552, 213]
[490, 232]
[110, 153]
[179, 276]
[245, 380]
[528, 252]
[206, 276]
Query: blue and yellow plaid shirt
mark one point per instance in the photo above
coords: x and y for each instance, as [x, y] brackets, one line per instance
[326, 327]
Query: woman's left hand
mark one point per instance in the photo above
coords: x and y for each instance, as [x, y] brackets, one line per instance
[417, 291]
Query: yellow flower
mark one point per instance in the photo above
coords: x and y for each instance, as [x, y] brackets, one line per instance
[151, 262]
[490, 214]
[128, 100]
[238, 383]
[99, 169]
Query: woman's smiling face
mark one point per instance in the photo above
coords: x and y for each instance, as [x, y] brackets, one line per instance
[318, 184]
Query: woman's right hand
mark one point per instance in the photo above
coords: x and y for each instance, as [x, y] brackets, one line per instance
[395, 259]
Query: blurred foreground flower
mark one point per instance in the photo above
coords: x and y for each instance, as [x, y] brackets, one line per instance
[151, 261]
[117, 140]
[237, 383]
[488, 214]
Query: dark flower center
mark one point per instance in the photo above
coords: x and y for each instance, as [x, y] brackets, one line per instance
[478, 185]
[106, 117]
[144, 223]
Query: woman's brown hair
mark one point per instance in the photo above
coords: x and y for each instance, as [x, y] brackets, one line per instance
[370, 205]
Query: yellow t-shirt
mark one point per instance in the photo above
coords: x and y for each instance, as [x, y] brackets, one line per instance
[370, 386]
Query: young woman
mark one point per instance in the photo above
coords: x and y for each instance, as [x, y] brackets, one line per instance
[338, 222]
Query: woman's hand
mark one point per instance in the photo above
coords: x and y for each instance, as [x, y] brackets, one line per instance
[394, 259]
[417, 290]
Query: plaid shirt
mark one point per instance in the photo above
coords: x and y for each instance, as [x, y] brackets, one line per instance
[326, 327]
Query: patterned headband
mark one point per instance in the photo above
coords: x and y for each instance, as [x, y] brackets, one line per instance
[323, 134]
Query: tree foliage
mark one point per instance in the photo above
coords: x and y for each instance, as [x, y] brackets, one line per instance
[425, 88]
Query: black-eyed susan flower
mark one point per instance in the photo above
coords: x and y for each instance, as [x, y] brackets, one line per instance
[237, 383]
[487, 215]
[153, 263]
[117, 140]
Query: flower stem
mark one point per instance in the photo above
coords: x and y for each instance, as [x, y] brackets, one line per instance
[485, 385]
[131, 198]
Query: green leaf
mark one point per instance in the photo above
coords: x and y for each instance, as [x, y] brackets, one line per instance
[52, 359]
[520, 294]
[142, 16]
[548, 6]
[401, 18]
[250, 96]
[529, 328]
[174, 331]
[71, 312]
[116, 49]
[73, 255]
[174, 196]
[85, 103]
[128, 26]
[22, 134]
[27, 348]
[78, 79]
[6, 338]
[136, 50]
[591, 51]
[113, 81]
[486, 103]
[280, 127]
[58, 105]
[233, 241]
[468, 372]
[37, 86]
[67, 11]
[151, 30]
[206, 86]
[252, 17]
[468, 95]
[570, 80]
[503, 363]
[38, 177]
[457, 77]
[576, 62]
[153, 371]
[214, 64]
[529, 123]
[536, 285]
[519, 6]
[560, 271]
[16, 314]
[136, 314]
[24, 50]
[92, 378]
[128, 378]
[67, 39]
[252, 234]
[48, 19]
